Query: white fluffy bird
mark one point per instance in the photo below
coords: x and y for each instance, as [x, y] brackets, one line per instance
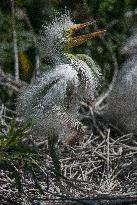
[121, 106]
[52, 102]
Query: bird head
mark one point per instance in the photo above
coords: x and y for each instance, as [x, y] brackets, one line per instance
[62, 34]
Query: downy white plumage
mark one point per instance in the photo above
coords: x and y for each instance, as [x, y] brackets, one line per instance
[52, 101]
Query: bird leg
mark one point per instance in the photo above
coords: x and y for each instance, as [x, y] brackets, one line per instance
[72, 138]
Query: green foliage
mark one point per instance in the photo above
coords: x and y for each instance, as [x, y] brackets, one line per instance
[110, 15]
[11, 136]
[6, 51]
[19, 159]
[108, 9]
[12, 150]
[25, 40]
[39, 12]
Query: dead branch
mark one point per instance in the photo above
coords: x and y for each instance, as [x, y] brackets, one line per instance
[16, 56]
[7, 80]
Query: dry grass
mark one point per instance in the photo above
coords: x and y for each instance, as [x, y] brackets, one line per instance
[100, 168]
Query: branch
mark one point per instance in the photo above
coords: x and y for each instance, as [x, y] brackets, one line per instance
[15, 42]
[9, 81]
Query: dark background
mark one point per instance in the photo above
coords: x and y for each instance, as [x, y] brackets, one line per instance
[118, 17]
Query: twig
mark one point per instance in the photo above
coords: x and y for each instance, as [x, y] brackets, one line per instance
[95, 124]
[10, 82]
[108, 155]
[1, 113]
[9, 110]
[15, 41]
[115, 64]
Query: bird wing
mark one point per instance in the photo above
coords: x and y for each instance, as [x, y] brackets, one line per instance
[51, 89]
[89, 61]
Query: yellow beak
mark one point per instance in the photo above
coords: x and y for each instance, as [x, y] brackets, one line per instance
[76, 40]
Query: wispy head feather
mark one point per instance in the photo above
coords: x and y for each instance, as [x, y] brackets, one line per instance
[52, 37]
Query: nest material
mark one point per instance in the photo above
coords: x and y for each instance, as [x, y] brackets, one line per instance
[100, 167]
